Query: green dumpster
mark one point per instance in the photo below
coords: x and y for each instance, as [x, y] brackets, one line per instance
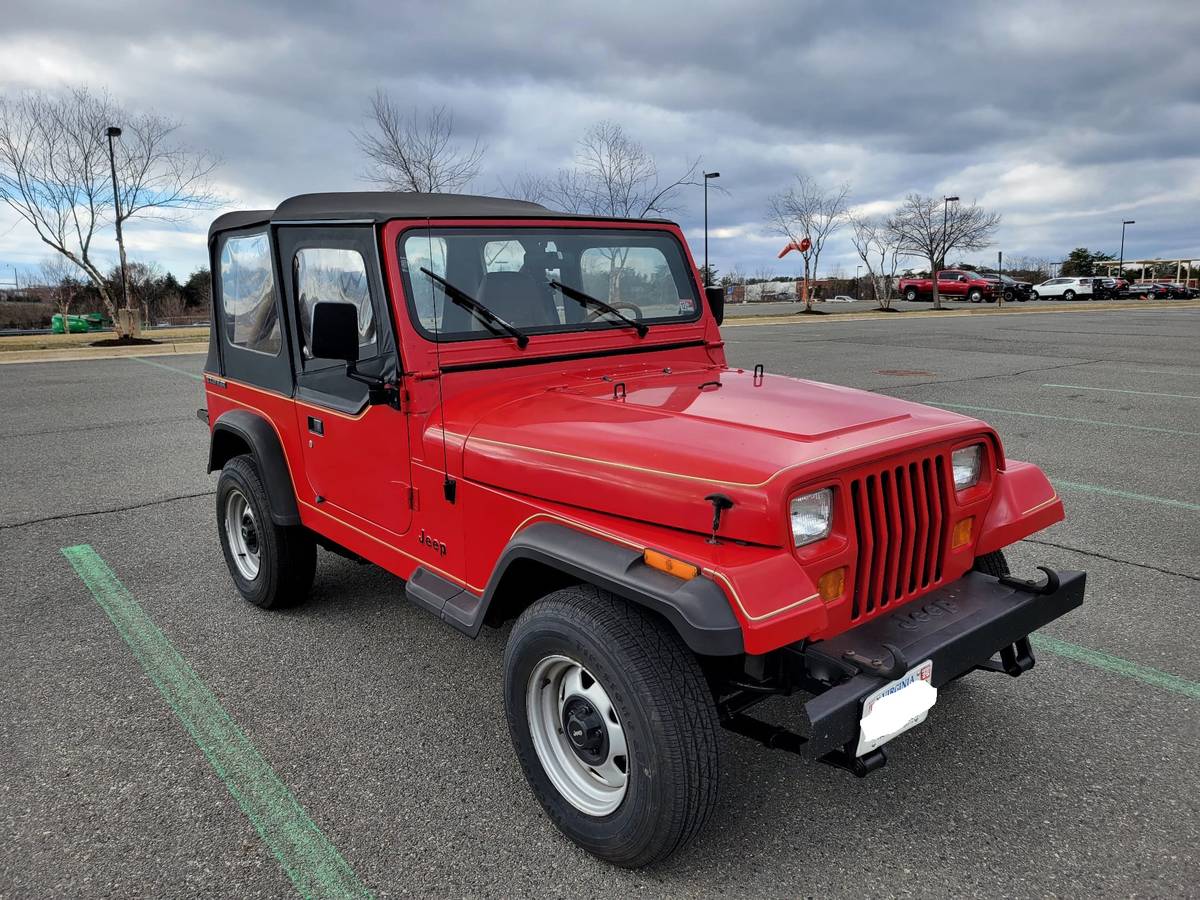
[76, 324]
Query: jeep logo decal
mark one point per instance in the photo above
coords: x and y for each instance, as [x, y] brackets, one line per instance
[430, 541]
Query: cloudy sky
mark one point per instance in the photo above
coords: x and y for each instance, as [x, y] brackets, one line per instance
[1065, 117]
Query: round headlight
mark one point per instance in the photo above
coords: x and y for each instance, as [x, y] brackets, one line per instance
[812, 516]
[966, 463]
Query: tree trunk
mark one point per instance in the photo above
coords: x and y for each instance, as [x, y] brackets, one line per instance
[933, 276]
[807, 289]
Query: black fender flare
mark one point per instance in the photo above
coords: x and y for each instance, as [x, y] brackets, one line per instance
[256, 432]
[698, 609]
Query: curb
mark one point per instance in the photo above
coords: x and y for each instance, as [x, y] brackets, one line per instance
[799, 318]
[78, 354]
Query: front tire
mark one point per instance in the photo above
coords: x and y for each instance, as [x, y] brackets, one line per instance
[587, 675]
[992, 563]
[1033, 295]
[272, 565]
[976, 296]
[1068, 295]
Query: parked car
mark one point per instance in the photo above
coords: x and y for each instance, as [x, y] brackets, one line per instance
[841, 298]
[1148, 290]
[1012, 289]
[1065, 289]
[1179, 291]
[954, 284]
[454, 388]
[1110, 288]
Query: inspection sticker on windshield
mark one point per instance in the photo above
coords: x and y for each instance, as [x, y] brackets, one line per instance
[896, 707]
[687, 306]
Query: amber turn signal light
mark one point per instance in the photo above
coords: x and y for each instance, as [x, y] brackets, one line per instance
[832, 584]
[961, 535]
[670, 565]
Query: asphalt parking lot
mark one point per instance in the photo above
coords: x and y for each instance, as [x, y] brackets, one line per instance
[387, 728]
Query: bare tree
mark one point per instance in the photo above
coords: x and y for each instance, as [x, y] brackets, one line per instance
[879, 249]
[613, 175]
[808, 209]
[929, 227]
[416, 150]
[56, 282]
[55, 174]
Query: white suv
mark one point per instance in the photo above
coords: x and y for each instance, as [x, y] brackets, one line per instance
[1066, 288]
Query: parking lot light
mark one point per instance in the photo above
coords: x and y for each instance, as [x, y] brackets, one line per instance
[114, 132]
[1121, 264]
[707, 271]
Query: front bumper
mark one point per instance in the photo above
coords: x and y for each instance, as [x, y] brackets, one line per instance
[960, 627]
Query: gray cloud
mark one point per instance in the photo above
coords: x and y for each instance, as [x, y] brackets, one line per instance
[1065, 117]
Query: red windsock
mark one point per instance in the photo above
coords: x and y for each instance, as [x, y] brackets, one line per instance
[801, 246]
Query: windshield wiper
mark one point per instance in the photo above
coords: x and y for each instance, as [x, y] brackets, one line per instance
[494, 323]
[586, 300]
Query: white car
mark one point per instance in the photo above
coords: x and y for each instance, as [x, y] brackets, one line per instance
[1066, 288]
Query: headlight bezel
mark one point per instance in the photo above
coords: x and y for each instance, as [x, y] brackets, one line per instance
[824, 499]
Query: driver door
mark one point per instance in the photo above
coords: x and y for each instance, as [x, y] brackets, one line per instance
[356, 456]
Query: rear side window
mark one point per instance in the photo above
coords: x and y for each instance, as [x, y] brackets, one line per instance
[248, 294]
[340, 276]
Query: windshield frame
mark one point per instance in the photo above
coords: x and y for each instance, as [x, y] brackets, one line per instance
[633, 229]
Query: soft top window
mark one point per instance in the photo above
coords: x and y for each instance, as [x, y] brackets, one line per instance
[248, 294]
[642, 273]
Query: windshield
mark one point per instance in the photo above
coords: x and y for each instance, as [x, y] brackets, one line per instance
[531, 278]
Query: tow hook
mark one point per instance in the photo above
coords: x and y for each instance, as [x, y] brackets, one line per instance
[858, 766]
[1015, 659]
[1051, 585]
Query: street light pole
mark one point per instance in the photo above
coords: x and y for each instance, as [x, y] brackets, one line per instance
[707, 271]
[941, 263]
[1121, 265]
[946, 201]
[115, 132]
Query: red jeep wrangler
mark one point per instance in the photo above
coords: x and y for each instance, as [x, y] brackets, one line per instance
[528, 415]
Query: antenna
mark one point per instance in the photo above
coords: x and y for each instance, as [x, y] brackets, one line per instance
[449, 486]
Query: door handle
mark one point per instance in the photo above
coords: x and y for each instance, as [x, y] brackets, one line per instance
[316, 426]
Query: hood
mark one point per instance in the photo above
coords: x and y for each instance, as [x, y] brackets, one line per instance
[653, 445]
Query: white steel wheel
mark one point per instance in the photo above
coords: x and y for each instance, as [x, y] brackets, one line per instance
[577, 735]
[241, 531]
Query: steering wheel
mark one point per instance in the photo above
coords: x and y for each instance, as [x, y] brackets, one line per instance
[595, 313]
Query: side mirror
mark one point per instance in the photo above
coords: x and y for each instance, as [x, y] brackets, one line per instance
[716, 302]
[335, 331]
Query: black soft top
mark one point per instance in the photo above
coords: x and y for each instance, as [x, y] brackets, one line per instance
[381, 206]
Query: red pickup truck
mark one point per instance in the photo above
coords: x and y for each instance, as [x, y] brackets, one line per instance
[955, 283]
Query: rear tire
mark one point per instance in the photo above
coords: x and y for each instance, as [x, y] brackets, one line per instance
[911, 295]
[272, 565]
[581, 642]
[992, 563]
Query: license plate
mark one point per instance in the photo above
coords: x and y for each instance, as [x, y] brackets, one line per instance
[896, 707]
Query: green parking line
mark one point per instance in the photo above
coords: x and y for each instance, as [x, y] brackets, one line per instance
[1081, 387]
[313, 864]
[1144, 674]
[159, 365]
[1014, 412]
[1124, 495]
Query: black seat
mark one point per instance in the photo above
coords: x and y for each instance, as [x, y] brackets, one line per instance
[518, 299]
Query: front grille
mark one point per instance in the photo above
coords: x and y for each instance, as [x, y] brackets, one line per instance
[901, 518]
